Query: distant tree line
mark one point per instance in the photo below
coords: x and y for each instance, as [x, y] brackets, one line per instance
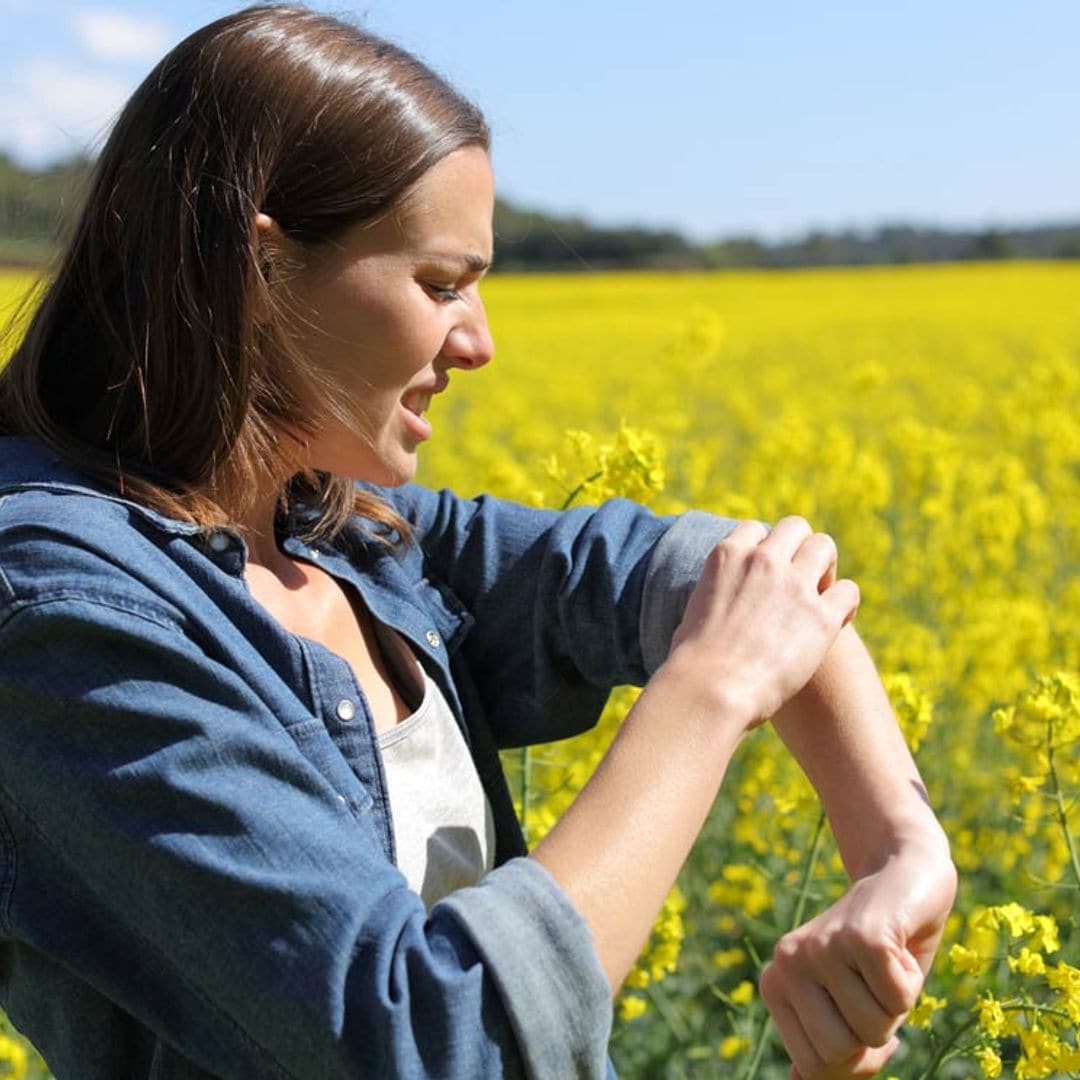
[37, 209]
[527, 240]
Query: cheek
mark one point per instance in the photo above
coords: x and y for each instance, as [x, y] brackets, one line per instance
[391, 346]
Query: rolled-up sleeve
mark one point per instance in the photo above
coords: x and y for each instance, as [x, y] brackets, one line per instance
[184, 858]
[674, 568]
[541, 954]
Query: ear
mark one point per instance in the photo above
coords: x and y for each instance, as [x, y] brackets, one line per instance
[269, 239]
[267, 243]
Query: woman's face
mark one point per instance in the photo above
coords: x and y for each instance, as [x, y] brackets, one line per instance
[390, 310]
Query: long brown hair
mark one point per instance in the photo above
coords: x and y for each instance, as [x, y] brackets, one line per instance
[157, 358]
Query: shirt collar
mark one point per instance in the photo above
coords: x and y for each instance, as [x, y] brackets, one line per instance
[26, 463]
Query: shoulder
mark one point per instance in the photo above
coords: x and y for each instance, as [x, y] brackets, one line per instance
[429, 510]
[61, 538]
[443, 517]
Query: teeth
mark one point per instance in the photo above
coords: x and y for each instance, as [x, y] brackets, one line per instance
[417, 403]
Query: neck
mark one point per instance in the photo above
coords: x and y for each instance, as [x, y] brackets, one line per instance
[256, 525]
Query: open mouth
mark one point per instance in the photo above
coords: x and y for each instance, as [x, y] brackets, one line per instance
[417, 403]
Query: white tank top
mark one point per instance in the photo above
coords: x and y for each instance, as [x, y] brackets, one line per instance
[444, 831]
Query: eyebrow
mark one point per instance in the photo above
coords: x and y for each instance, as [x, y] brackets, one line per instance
[474, 263]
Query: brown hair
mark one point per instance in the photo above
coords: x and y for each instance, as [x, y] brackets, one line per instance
[158, 358]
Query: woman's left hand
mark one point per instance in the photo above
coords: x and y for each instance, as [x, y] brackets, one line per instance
[841, 985]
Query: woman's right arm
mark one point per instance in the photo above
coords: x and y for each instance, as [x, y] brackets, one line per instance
[755, 630]
[163, 839]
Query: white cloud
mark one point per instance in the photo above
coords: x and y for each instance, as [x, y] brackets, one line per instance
[51, 109]
[113, 35]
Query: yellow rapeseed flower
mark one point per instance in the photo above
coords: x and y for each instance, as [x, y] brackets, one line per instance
[1015, 917]
[727, 958]
[989, 1061]
[13, 1055]
[936, 440]
[733, 1045]
[1045, 936]
[991, 1015]
[1027, 962]
[965, 961]
[920, 1016]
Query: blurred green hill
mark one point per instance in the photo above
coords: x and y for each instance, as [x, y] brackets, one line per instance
[38, 208]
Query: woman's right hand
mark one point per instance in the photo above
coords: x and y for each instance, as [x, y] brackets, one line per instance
[764, 612]
[758, 623]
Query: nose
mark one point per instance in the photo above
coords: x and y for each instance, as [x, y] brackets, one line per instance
[470, 345]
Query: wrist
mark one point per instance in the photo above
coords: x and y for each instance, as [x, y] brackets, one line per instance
[703, 697]
[912, 831]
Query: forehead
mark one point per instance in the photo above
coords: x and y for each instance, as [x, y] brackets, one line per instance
[451, 204]
[445, 216]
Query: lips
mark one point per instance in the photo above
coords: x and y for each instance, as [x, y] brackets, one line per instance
[418, 399]
[417, 403]
[414, 402]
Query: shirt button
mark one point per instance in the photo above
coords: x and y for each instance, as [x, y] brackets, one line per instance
[219, 541]
[433, 639]
[345, 710]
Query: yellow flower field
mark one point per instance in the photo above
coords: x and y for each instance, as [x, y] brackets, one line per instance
[927, 417]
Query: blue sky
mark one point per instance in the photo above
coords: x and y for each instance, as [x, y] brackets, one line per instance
[715, 118]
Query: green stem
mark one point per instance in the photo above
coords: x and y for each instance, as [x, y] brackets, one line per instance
[974, 1020]
[945, 1047]
[1059, 799]
[759, 1049]
[526, 760]
[675, 1025]
[1046, 1010]
[808, 869]
[796, 920]
[579, 489]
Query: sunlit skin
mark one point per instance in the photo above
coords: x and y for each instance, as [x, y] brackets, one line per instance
[388, 312]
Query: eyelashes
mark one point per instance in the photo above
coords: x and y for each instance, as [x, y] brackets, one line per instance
[445, 293]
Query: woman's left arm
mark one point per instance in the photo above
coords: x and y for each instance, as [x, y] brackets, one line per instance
[859, 965]
[871, 950]
[580, 599]
[841, 729]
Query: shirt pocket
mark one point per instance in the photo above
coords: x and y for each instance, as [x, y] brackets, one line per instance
[317, 745]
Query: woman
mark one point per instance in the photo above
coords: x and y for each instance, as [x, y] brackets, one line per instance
[252, 814]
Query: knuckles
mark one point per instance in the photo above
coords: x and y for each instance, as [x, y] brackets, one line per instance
[765, 560]
[789, 950]
[795, 521]
[801, 957]
[771, 985]
[826, 541]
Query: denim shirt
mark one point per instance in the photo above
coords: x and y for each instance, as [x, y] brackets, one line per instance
[197, 868]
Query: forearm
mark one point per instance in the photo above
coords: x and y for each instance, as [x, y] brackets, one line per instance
[620, 846]
[841, 729]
